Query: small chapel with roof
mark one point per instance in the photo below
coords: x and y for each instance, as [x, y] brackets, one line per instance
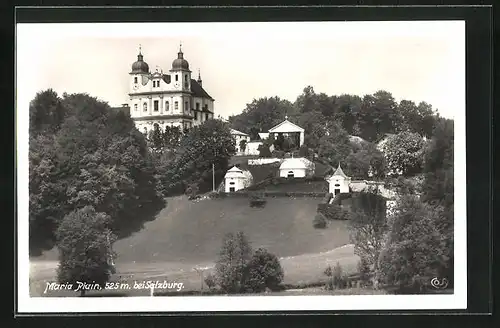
[167, 99]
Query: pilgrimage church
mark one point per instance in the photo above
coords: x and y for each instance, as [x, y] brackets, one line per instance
[171, 99]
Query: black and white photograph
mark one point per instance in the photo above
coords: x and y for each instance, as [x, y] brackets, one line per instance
[241, 166]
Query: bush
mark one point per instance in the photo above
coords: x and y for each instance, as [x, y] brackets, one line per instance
[319, 221]
[333, 212]
[257, 200]
[192, 190]
[364, 271]
[210, 281]
[263, 271]
[337, 278]
[304, 151]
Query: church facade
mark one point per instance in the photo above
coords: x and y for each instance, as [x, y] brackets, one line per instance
[172, 99]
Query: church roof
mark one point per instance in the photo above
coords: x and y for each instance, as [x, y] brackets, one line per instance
[339, 172]
[198, 90]
[293, 163]
[233, 131]
[286, 126]
[234, 172]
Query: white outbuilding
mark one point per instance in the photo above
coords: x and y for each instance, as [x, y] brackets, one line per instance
[339, 182]
[236, 179]
[296, 168]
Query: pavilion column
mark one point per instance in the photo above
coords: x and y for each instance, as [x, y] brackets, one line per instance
[301, 138]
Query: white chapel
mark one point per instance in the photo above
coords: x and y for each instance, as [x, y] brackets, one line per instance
[171, 99]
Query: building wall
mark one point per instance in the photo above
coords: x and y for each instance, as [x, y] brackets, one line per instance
[338, 182]
[170, 101]
[253, 148]
[297, 173]
[237, 183]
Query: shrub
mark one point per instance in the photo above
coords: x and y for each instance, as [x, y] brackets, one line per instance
[304, 151]
[210, 281]
[364, 271]
[257, 200]
[192, 190]
[338, 279]
[263, 271]
[319, 221]
[333, 212]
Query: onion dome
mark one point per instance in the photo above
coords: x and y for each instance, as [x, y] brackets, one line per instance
[180, 63]
[140, 66]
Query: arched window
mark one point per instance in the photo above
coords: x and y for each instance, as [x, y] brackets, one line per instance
[145, 107]
[135, 79]
[290, 174]
[337, 185]
[166, 105]
[135, 107]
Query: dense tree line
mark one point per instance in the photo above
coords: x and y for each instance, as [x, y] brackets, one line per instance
[83, 153]
[187, 166]
[369, 117]
[414, 243]
[329, 121]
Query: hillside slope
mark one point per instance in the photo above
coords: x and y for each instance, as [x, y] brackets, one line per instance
[192, 232]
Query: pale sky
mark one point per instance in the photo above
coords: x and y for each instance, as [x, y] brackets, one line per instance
[418, 61]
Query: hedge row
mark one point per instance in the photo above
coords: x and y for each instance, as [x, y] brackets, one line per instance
[268, 194]
[333, 212]
[285, 181]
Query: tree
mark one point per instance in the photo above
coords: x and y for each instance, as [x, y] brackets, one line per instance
[404, 153]
[378, 115]
[348, 107]
[243, 145]
[263, 271]
[415, 250]
[204, 145]
[96, 157]
[84, 242]
[233, 258]
[438, 184]
[364, 270]
[172, 137]
[46, 113]
[365, 159]
[368, 225]
[261, 115]
[156, 138]
[334, 146]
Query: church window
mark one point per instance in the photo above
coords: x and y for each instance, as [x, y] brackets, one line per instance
[135, 79]
[197, 106]
[145, 107]
[186, 106]
[206, 116]
[156, 105]
[176, 77]
[195, 115]
[176, 105]
[135, 107]
[166, 105]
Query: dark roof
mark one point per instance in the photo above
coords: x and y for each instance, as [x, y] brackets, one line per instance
[198, 91]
